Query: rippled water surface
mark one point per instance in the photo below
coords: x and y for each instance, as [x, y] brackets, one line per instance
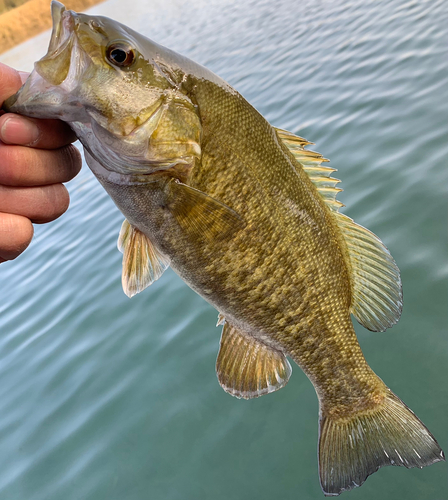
[106, 398]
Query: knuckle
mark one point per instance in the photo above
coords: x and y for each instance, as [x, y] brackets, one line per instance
[71, 161]
[54, 202]
[14, 161]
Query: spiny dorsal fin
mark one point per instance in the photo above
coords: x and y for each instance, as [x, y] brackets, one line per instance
[246, 368]
[142, 262]
[311, 163]
[376, 285]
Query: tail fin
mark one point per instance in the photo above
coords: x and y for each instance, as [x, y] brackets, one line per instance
[352, 448]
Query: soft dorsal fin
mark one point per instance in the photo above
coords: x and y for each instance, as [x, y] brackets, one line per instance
[375, 278]
[142, 262]
[312, 164]
[246, 368]
[376, 285]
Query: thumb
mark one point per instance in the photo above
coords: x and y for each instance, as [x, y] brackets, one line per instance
[10, 82]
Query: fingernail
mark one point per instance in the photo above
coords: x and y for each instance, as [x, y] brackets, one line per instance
[19, 130]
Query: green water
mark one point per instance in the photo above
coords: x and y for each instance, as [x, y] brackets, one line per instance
[106, 398]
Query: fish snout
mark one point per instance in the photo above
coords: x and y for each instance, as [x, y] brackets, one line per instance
[50, 90]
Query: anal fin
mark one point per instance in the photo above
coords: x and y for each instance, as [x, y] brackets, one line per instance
[246, 368]
[142, 262]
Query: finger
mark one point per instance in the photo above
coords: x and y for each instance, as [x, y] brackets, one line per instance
[45, 134]
[16, 233]
[39, 204]
[10, 82]
[22, 166]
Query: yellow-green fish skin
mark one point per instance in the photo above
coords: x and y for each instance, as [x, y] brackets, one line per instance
[282, 277]
[219, 194]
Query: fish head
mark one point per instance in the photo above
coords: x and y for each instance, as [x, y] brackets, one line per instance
[122, 94]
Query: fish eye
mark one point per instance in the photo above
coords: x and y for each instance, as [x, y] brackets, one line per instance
[120, 54]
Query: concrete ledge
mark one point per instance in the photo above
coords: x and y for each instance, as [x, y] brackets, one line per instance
[30, 19]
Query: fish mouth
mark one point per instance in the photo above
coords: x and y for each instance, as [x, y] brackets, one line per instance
[60, 31]
[54, 66]
[49, 90]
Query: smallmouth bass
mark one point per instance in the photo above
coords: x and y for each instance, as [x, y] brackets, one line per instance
[248, 217]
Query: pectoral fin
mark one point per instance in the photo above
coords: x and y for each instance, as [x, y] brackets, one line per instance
[246, 368]
[142, 262]
[200, 214]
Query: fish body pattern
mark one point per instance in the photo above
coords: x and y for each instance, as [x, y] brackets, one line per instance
[248, 218]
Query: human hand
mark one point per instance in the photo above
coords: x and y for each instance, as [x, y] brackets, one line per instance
[36, 157]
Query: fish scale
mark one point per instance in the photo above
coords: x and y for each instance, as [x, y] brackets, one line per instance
[248, 218]
[289, 257]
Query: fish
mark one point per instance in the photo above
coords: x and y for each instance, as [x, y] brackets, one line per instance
[247, 216]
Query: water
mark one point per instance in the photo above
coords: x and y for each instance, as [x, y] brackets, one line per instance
[103, 398]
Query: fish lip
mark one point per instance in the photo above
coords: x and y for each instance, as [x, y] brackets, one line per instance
[64, 22]
[60, 37]
[62, 34]
[48, 94]
[57, 10]
[65, 30]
